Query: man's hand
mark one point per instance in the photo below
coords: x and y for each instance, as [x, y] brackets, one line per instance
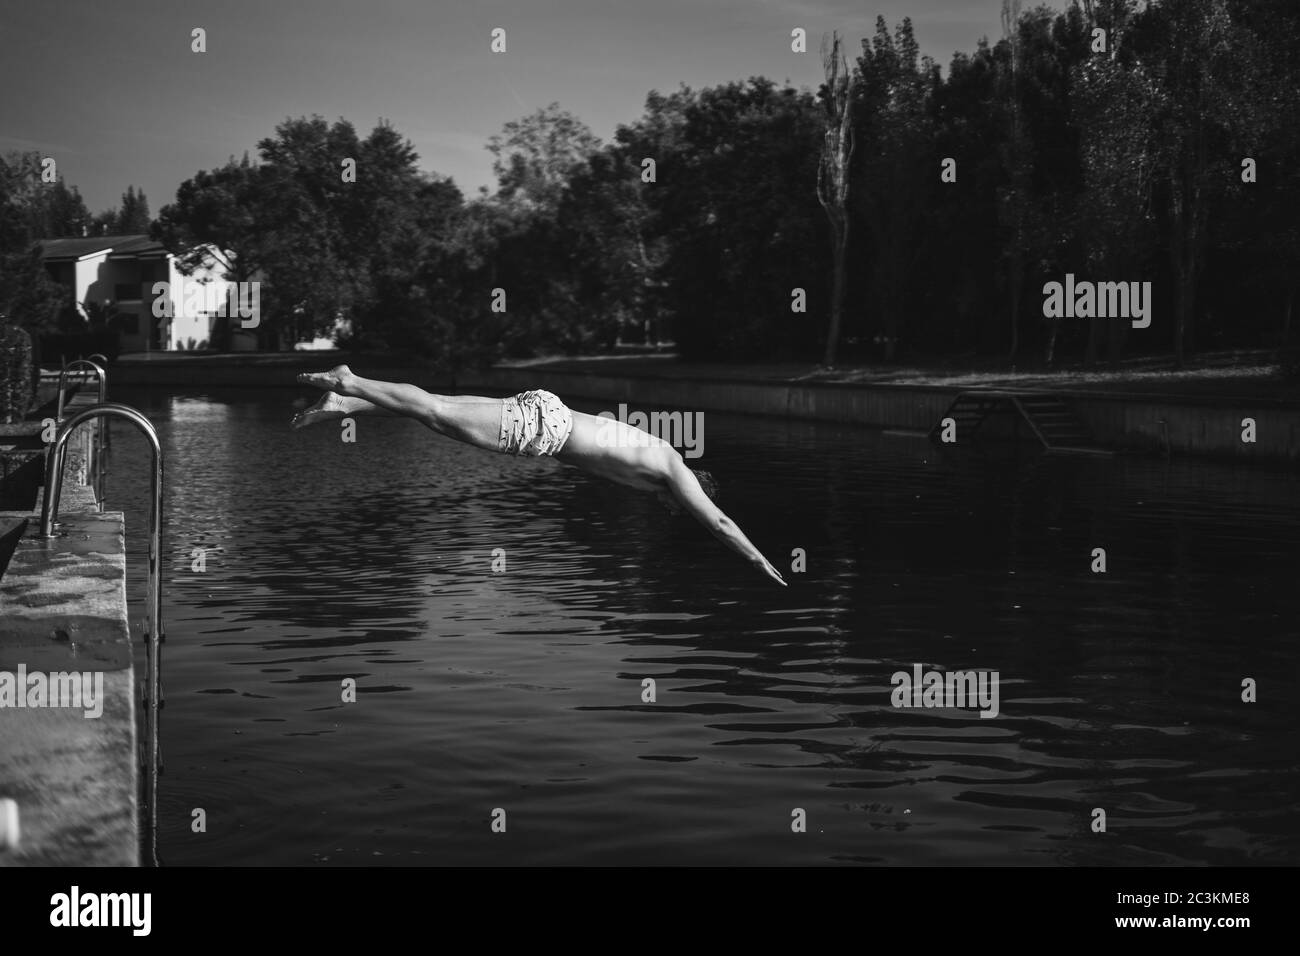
[686, 489]
[765, 566]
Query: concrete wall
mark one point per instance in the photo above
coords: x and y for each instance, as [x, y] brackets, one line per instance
[193, 320]
[901, 406]
[1140, 423]
[22, 467]
[92, 280]
[63, 610]
[74, 778]
[1192, 426]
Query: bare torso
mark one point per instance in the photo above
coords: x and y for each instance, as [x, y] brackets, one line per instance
[618, 452]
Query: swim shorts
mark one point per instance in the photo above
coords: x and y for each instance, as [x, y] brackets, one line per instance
[534, 423]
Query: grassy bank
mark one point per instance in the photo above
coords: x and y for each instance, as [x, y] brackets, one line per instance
[1235, 374]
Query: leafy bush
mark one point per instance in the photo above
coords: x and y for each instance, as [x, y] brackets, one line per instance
[16, 393]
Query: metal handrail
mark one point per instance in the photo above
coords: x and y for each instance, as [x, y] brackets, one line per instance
[63, 374]
[100, 434]
[102, 361]
[153, 624]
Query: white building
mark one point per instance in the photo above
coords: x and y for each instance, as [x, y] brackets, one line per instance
[118, 273]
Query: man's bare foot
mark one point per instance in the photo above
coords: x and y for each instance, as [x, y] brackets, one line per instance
[337, 379]
[329, 408]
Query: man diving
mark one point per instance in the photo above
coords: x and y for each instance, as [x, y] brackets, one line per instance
[537, 423]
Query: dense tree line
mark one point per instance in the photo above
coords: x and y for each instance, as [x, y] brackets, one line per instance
[1107, 140]
[1121, 163]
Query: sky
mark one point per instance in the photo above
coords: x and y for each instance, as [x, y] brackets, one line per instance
[113, 92]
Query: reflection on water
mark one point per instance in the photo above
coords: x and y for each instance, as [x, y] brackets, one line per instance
[523, 689]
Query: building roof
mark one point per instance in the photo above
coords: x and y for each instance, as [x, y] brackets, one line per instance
[137, 247]
[73, 249]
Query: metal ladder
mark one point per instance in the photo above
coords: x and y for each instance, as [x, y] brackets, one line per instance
[102, 434]
[154, 637]
[1047, 416]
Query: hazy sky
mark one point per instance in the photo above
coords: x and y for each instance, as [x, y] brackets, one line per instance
[111, 90]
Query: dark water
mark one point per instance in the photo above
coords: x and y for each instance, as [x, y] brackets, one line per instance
[522, 689]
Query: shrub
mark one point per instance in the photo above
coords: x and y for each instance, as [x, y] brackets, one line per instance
[16, 378]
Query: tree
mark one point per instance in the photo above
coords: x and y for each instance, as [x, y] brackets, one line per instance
[1045, 173]
[534, 157]
[958, 278]
[103, 223]
[1210, 94]
[895, 177]
[39, 209]
[604, 224]
[535, 234]
[218, 207]
[833, 175]
[325, 245]
[1015, 200]
[736, 210]
[31, 210]
[1266, 214]
[1115, 101]
[133, 217]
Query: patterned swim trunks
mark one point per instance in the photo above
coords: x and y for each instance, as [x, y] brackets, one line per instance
[534, 423]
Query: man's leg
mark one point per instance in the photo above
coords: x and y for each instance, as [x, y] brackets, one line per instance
[332, 408]
[474, 420]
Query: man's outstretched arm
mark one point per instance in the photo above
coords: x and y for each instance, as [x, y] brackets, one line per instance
[686, 489]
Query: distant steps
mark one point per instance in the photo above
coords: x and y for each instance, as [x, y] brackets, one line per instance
[1047, 419]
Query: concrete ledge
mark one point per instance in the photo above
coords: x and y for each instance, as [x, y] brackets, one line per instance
[1207, 425]
[1133, 422]
[63, 609]
[893, 406]
[1156, 425]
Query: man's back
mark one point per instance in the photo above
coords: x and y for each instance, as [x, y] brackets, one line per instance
[618, 452]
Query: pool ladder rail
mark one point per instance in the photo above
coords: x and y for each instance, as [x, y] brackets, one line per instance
[101, 437]
[154, 637]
